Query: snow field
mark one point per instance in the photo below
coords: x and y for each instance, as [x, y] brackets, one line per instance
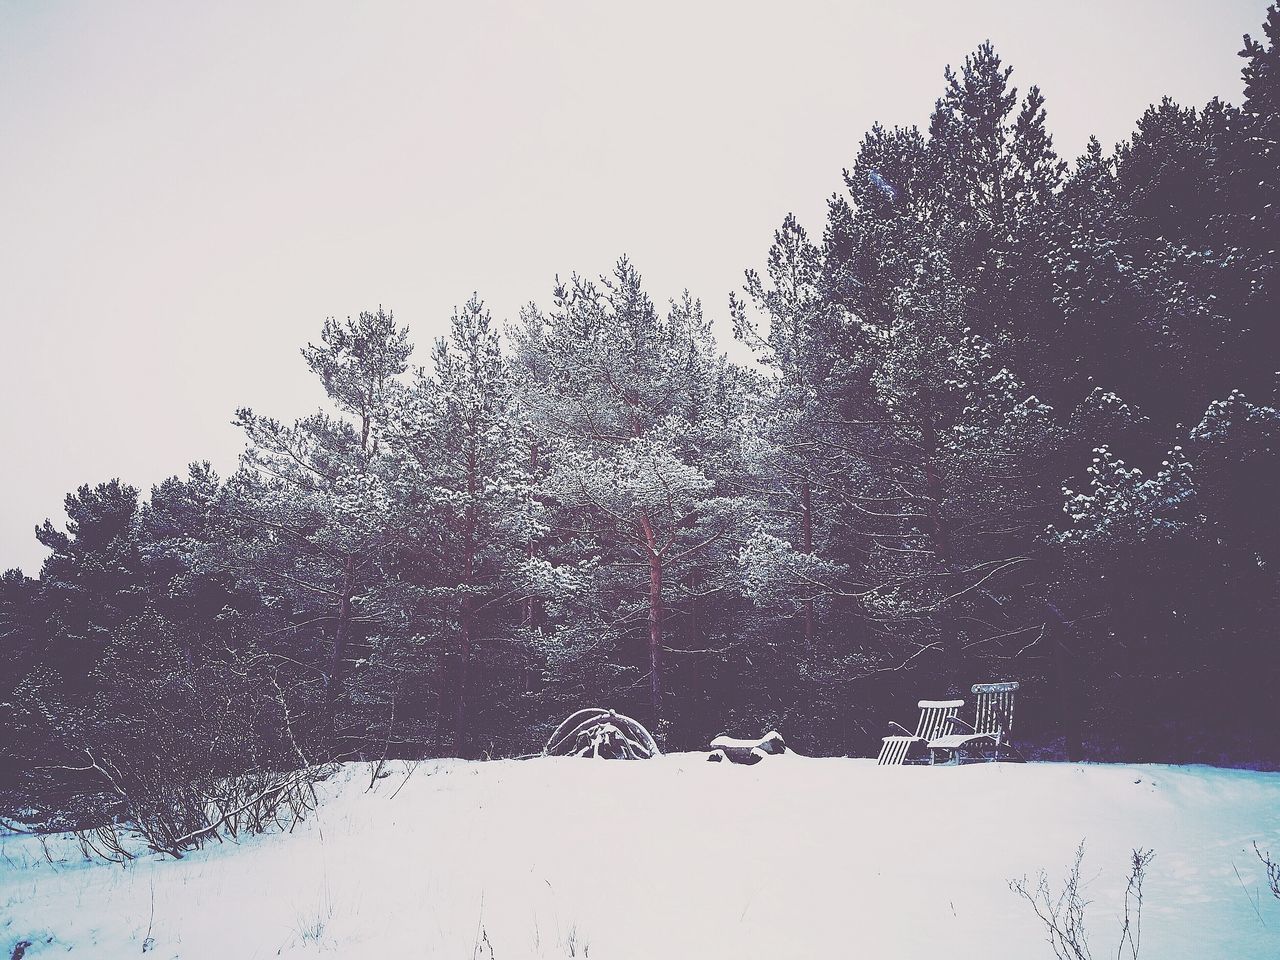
[677, 857]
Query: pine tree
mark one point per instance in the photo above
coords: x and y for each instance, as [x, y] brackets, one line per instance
[460, 534]
[950, 446]
[308, 508]
[969, 138]
[813, 355]
[638, 413]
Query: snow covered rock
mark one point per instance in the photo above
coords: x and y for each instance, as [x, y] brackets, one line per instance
[746, 751]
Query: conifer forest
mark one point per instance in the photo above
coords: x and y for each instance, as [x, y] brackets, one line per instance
[1007, 415]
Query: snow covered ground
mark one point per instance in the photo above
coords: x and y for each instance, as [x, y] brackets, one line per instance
[676, 858]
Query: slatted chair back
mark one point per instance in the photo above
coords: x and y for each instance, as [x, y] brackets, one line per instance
[935, 718]
[893, 751]
[935, 721]
[994, 709]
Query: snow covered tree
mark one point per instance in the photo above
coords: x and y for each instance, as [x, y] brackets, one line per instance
[812, 354]
[460, 530]
[639, 413]
[307, 511]
[992, 167]
[950, 444]
[89, 580]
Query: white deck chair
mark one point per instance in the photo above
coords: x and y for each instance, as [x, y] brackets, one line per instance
[988, 737]
[935, 720]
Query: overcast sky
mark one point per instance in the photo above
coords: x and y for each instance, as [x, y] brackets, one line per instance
[188, 189]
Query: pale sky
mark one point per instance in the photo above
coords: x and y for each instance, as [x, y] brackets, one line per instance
[188, 189]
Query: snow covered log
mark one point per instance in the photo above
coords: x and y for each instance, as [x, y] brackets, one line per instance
[746, 751]
[602, 734]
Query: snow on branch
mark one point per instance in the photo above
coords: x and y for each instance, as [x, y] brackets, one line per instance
[603, 734]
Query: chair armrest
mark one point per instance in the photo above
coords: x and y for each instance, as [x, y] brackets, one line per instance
[958, 720]
[902, 728]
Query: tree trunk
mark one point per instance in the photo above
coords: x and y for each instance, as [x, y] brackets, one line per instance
[940, 536]
[461, 738]
[694, 636]
[1068, 700]
[531, 604]
[655, 629]
[341, 637]
[806, 527]
[445, 712]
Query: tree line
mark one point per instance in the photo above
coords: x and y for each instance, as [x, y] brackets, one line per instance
[1012, 417]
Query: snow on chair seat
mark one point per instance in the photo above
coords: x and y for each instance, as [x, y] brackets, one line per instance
[935, 719]
[990, 732]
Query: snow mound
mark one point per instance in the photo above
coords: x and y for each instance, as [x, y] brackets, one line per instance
[770, 743]
[680, 858]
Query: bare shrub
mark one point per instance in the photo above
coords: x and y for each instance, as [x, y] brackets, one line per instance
[1063, 914]
[1131, 931]
[168, 748]
[172, 816]
[1273, 870]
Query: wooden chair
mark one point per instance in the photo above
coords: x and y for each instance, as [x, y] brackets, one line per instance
[935, 720]
[988, 736]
